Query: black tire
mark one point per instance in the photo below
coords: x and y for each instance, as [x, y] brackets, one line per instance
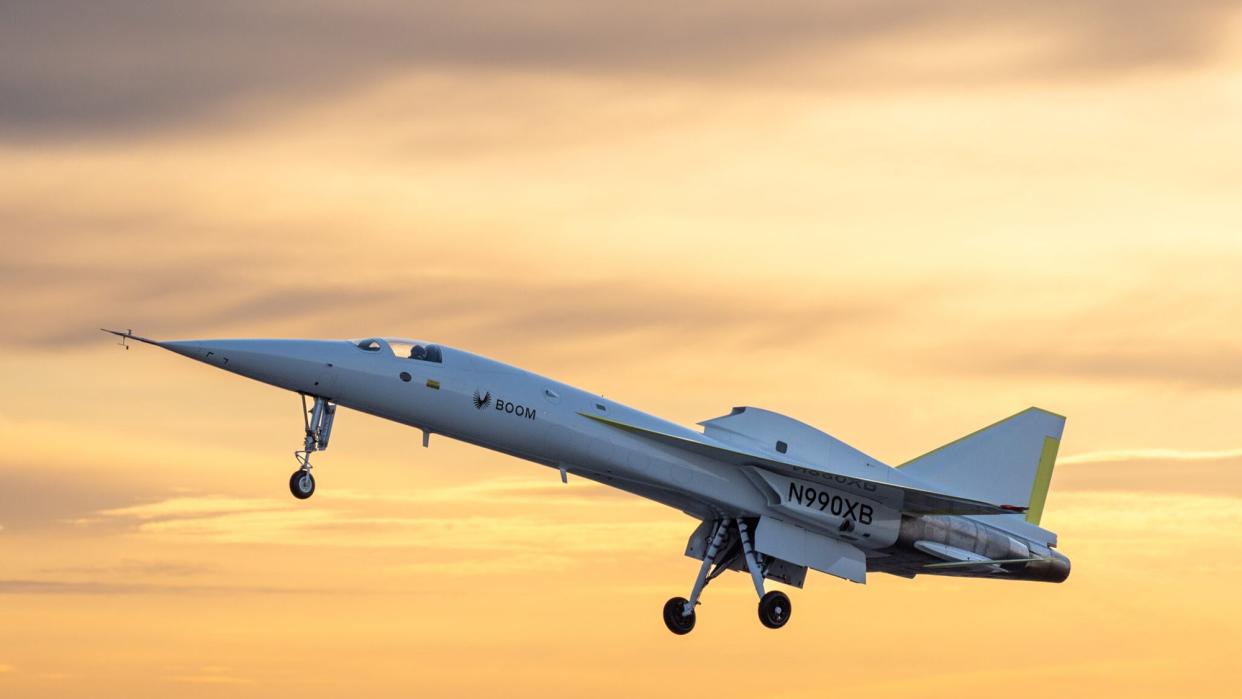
[774, 609]
[677, 622]
[300, 488]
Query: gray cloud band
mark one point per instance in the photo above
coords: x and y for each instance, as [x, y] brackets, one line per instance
[109, 67]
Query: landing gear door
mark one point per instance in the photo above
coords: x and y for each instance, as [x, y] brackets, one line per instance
[792, 543]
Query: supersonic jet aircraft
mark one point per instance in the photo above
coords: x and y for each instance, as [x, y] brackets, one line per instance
[773, 496]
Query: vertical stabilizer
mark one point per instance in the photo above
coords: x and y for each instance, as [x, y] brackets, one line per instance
[1008, 463]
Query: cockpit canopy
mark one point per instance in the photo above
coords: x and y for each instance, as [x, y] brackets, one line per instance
[402, 348]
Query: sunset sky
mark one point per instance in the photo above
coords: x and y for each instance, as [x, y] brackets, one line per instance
[897, 221]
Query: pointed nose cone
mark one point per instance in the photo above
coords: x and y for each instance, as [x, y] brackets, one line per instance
[306, 366]
[209, 351]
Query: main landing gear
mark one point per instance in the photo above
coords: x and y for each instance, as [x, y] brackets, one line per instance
[731, 538]
[318, 422]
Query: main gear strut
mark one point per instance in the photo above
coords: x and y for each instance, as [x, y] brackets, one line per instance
[730, 539]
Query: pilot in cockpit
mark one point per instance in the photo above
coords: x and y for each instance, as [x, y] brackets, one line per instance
[426, 353]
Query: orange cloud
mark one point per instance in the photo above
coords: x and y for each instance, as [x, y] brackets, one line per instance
[1113, 455]
[898, 222]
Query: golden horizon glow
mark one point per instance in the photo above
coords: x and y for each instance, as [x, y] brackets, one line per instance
[897, 224]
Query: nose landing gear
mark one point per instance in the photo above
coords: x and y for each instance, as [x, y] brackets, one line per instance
[318, 422]
[302, 484]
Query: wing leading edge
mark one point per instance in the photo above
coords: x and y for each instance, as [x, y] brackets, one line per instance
[914, 500]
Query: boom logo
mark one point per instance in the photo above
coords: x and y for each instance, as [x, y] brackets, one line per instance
[512, 408]
[483, 400]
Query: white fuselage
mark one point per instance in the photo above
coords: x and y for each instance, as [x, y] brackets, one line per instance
[497, 406]
[536, 418]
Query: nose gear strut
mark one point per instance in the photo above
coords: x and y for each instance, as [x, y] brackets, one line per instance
[318, 422]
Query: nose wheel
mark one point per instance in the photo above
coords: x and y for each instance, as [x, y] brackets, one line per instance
[318, 423]
[302, 484]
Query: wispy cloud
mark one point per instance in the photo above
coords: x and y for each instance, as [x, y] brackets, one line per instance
[510, 491]
[1114, 455]
[49, 586]
[338, 528]
[1106, 334]
[196, 506]
[528, 525]
[133, 569]
[37, 496]
[559, 312]
[1125, 515]
[80, 70]
[211, 674]
[495, 563]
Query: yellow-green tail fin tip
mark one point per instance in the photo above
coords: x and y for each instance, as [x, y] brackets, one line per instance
[1043, 478]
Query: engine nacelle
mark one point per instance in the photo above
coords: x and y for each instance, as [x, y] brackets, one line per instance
[967, 535]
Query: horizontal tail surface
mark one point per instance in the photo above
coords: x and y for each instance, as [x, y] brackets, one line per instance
[1009, 462]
